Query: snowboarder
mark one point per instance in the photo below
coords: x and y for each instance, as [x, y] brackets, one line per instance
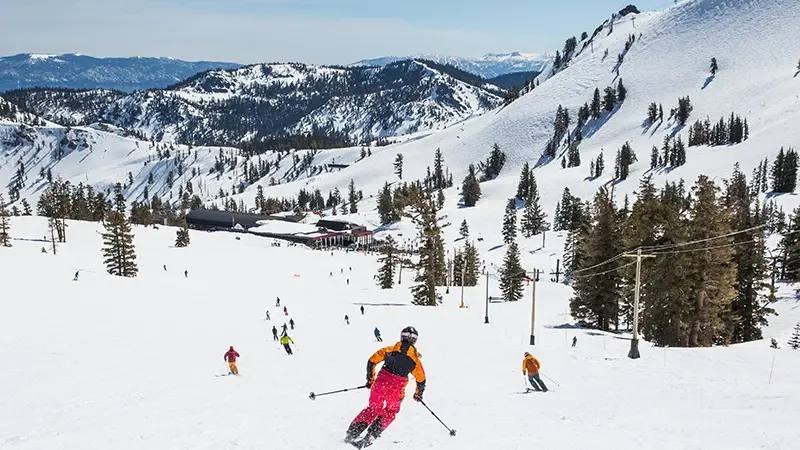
[286, 340]
[274, 333]
[362, 310]
[388, 389]
[574, 341]
[291, 324]
[76, 275]
[278, 302]
[230, 357]
[347, 319]
[378, 335]
[773, 343]
[531, 365]
[285, 311]
[267, 315]
[186, 274]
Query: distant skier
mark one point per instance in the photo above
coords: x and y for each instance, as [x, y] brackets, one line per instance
[331, 274]
[230, 357]
[76, 275]
[285, 311]
[378, 335]
[341, 270]
[574, 341]
[283, 329]
[347, 319]
[362, 310]
[165, 267]
[274, 333]
[348, 281]
[388, 389]
[278, 302]
[186, 274]
[286, 340]
[531, 365]
[268, 316]
[291, 324]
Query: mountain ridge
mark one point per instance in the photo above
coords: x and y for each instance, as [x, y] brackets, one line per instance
[488, 66]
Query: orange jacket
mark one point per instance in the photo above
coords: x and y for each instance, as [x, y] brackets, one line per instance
[400, 359]
[530, 365]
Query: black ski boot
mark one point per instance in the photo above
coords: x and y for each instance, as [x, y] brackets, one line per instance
[373, 433]
[355, 430]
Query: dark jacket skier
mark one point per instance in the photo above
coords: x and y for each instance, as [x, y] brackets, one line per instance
[274, 333]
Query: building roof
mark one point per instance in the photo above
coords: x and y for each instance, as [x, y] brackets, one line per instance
[223, 219]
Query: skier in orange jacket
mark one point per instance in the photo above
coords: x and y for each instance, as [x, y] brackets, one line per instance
[388, 388]
[532, 365]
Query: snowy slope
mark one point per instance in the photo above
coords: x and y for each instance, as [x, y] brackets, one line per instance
[107, 362]
[488, 66]
[76, 71]
[757, 55]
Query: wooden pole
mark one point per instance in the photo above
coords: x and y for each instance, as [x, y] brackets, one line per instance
[533, 307]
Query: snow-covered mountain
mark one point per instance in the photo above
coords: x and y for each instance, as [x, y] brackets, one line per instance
[266, 100]
[488, 66]
[77, 71]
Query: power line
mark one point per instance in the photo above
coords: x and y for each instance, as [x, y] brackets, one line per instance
[754, 241]
[699, 241]
[603, 273]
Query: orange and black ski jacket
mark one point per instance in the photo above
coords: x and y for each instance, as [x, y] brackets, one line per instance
[399, 359]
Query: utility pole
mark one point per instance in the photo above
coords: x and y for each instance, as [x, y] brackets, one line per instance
[634, 351]
[533, 306]
[463, 265]
[486, 318]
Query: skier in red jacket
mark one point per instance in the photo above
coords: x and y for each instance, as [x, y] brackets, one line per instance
[230, 357]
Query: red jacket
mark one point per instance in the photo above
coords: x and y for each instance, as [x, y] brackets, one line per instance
[231, 355]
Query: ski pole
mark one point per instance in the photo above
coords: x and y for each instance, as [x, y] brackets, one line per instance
[550, 379]
[313, 396]
[452, 432]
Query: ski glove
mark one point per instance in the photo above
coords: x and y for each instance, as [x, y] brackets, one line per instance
[418, 397]
[369, 384]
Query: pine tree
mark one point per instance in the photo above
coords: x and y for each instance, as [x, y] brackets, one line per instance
[512, 274]
[471, 189]
[26, 207]
[431, 269]
[388, 261]
[119, 253]
[524, 182]
[440, 199]
[464, 230]
[398, 166]
[352, 197]
[5, 224]
[533, 218]
[597, 292]
[654, 158]
[794, 341]
[610, 99]
[750, 308]
[684, 110]
[599, 166]
[595, 106]
[182, 236]
[439, 180]
[622, 92]
[471, 262]
[714, 66]
[386, 209]
[510, 222]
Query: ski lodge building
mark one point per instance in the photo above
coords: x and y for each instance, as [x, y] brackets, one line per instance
[323, 233]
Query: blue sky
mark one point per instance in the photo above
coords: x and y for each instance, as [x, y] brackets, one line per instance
[313, 31]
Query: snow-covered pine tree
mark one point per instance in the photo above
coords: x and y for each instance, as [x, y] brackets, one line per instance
[533, 218]
[398, 166]
[510, 222]
[794, 341]
[388, 261]
[512, 274]
[119, 253]
[524, 182]
[352, 197]
[471, 263]
[5, 224]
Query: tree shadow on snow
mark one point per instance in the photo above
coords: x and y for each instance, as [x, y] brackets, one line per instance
[709, 79]
[496, 247]
[593, 126]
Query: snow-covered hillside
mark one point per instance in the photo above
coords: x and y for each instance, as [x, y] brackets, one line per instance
[108, 362]
[76, 71]
[281, 99]
[488, 66]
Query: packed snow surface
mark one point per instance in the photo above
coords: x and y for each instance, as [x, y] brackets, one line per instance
[108, 362]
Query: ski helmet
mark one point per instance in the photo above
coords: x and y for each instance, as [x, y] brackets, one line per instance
[527, 354]
[409, 334]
